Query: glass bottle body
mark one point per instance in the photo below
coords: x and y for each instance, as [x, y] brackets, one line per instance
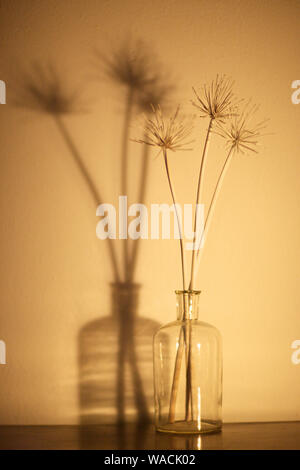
[188, 372]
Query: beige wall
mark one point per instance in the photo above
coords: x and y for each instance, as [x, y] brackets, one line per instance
[55, 274]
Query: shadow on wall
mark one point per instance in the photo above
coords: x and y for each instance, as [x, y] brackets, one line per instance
[115, 363]
[114, 353]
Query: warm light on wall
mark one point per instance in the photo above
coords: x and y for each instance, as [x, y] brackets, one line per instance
[61, 159]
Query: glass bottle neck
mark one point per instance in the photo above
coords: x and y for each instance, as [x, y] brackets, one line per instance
[187, 304]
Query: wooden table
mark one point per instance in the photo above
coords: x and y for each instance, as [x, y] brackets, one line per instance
[133, 437]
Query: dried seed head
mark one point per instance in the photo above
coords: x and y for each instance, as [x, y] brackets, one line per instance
[167, 133]
[215, 100]
[241, 132]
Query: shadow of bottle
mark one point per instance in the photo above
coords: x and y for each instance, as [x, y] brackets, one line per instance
[115, 363]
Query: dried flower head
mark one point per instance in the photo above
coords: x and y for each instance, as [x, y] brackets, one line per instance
[167, 133]
[242, 132]
[131, 65]
[215, 100]
[43, 90]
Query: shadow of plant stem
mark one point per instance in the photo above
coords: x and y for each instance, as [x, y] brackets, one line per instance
[131, 67]
[44, 91]
[93, 190]
[134, 68]
[124, 168]
[126, 342]
[127, 348]
[154, 95]
[142, 194]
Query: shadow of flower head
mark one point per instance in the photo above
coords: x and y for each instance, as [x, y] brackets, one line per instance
[43, 89]
[135, 66]
[156, 94]
[131, 65]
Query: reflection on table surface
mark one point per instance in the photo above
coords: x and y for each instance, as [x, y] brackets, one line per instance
[273, 436]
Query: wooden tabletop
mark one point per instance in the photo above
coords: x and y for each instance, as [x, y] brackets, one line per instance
[133, 437]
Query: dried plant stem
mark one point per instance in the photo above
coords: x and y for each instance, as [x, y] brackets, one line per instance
[141, 200]
[213, 201]
[182, 339]
[189, 395]
[177, 216]
[176, 375]
[185, 332]
[184, 342]
[124, 170]
[172, 134]
[189, 388]
[94, 191]
[199, 187]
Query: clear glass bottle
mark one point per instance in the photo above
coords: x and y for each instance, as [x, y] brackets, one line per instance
[188, 372]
